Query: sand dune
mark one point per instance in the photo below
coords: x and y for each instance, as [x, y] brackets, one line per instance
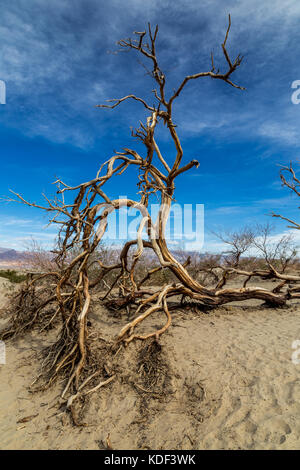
[227, 377]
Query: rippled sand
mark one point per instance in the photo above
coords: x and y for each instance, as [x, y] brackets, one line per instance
[231, 385]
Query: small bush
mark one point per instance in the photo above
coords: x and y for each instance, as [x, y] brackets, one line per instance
[13, 276]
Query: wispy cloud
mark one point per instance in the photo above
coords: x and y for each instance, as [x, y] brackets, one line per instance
[58, 66]
[229, 210]
[19, 222]
[281, 132]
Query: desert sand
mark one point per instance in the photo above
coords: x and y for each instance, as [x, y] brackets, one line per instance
[225, 380]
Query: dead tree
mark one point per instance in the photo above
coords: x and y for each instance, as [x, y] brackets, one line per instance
[238, 243]
[274, 257]
[83, 224]
[292, 182]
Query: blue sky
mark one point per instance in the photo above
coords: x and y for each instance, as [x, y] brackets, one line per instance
[56, 61]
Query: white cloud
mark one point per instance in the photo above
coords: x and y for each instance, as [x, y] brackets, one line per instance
[280, 131]
[57, 65]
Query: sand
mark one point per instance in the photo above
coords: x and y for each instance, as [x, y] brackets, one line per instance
[227, 378]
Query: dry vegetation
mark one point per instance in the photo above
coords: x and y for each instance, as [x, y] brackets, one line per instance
[60, 296]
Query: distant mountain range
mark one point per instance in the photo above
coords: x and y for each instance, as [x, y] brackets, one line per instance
[9, 256]
[2, 250]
